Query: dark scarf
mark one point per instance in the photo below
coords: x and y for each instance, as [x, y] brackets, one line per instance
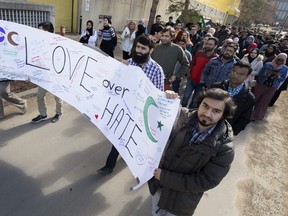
[250, 59]
[90, 31]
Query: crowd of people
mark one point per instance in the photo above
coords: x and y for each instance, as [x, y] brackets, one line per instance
[233, 75]
[242, 69]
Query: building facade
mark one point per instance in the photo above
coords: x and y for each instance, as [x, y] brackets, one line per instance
[221, 11]
[73, 14]
[32, 12]
[281, 12]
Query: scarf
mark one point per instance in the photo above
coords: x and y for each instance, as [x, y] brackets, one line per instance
[280, 56]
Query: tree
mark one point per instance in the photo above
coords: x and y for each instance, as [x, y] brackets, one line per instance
[177, 6]
[152, 13]
[181, 7]
[256, 11]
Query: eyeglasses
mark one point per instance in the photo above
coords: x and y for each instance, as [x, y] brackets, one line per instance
[238, 74]
[229, 51]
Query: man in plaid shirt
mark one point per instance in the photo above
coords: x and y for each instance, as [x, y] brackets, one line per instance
[140, 57]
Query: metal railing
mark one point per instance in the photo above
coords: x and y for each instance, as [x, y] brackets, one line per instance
[26, 17]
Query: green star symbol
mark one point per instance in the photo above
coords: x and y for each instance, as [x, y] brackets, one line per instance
[159, 125]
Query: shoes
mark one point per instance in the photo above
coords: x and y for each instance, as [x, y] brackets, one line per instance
[38, 119]
[1, 116]
[56, 118]
[105, 170]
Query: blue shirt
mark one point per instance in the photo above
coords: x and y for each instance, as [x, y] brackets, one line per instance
[198, 136]
[232, 92]
[216, 71]
[153, 71]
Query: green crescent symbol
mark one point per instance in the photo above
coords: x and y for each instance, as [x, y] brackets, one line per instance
[149, 101]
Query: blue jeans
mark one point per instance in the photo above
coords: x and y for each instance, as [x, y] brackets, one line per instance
[190, 87]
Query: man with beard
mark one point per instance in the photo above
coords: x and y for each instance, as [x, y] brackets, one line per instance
[140, 53]
[241, 94]
[167, 54]
[198, 63]
[197, 156]
[219, 68]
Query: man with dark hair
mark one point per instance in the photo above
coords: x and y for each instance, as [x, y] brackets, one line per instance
[222, 34]
[157, 34]
[170, 22]
[219, 68]
[198, 63]
[176, 84]
[46, 26]
[158, 22]
[200, 45]
[41, 94]
[167, 54]
[140, 53]
[241, 94]
[197, 156]
[194, 36]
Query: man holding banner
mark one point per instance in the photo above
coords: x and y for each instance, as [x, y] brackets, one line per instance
[141, 51]
[197, 156]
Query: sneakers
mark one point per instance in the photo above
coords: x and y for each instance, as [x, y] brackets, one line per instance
[38, 119]
[56, 118]
[105, 170]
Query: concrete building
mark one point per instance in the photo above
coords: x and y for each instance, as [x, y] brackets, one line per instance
[221, 11]
[73, 14]
[282, 12]
[32, 12]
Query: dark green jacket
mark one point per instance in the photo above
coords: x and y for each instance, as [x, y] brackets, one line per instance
[167, 56]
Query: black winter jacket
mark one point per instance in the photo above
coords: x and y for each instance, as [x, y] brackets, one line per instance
[245, 103]
[190, 170]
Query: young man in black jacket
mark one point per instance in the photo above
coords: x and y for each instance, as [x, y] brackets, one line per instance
[197, 157]
[242, 95]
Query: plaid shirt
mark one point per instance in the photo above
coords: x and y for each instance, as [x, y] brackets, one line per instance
[232, 92]
[153, 71]
[198, 136]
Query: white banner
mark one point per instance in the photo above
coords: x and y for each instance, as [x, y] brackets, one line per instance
[119, 99]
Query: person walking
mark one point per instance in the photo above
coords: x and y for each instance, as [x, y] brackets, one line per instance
[241, 94]
[10, 97]
[271, 76]
[89, 35]
[128, 36]
[255, 59]
[167, 54]
[108, 36]
[41, 93]
[198, 64]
